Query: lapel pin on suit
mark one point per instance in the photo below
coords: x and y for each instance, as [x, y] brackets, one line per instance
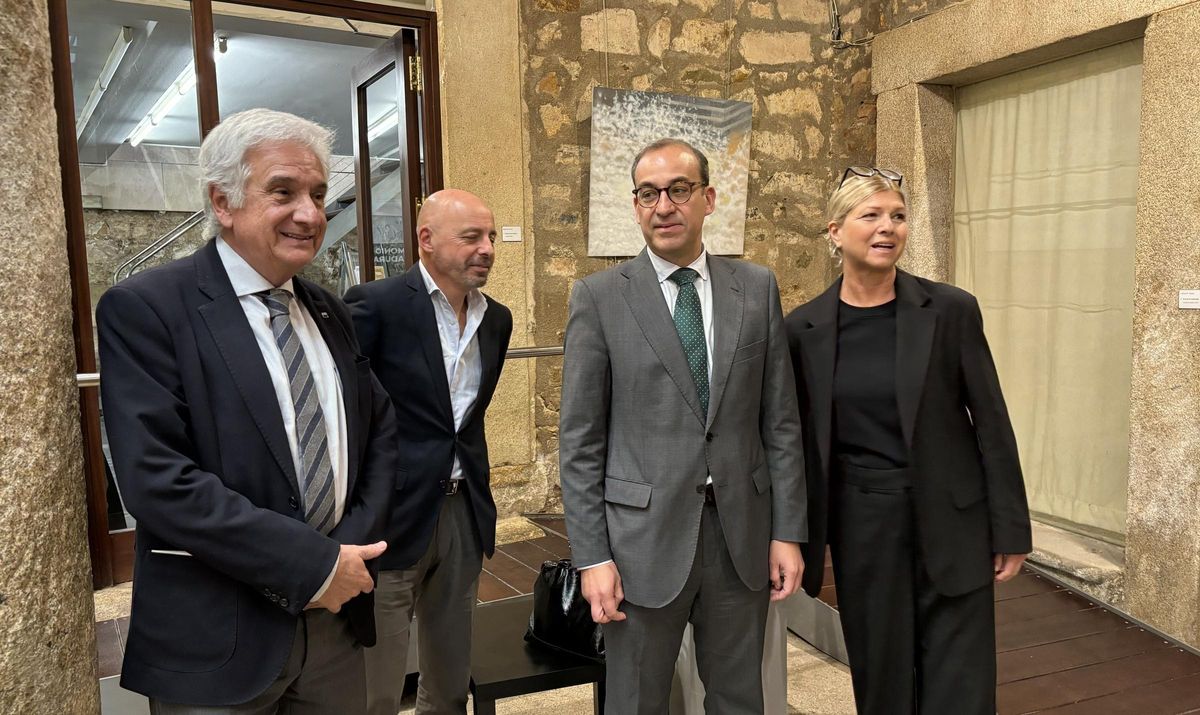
[324, 314]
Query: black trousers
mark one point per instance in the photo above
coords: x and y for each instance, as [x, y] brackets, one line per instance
[912, 649]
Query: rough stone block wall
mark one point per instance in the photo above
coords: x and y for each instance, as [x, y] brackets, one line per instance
[813, 115]
[898, 12]
[113, 237]
[47, 643]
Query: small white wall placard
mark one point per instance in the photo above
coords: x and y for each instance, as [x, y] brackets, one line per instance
[1189, 299]
[510, 233]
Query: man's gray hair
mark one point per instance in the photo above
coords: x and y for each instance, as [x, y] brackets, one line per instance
[223, 152]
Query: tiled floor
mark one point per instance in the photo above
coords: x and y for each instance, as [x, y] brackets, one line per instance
[1058, 652]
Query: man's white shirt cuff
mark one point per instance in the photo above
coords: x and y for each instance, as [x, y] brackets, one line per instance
[328, 580]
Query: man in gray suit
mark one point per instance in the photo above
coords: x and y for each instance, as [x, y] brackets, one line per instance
[680, 449]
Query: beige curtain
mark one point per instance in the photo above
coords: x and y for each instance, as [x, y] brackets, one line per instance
[1045, 185]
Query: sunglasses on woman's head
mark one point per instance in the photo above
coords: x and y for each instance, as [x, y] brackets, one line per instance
[869, 171]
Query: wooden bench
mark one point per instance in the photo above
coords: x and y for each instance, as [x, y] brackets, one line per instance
[503, 665]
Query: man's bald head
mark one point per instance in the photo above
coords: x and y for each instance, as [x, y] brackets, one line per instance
[449, 202]
[455, 233]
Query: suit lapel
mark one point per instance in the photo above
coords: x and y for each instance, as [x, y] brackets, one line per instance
[915, 324]
[344, 356]
[819, 345]
[235, 341]
[431, 342]
[728, 302]
[645, 299]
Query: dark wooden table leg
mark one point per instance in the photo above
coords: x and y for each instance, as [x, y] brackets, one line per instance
[598, 697]
[484, 707]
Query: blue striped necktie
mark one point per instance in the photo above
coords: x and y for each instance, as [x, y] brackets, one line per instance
[317, 471]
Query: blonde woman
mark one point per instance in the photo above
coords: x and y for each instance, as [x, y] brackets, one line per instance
[913, 476]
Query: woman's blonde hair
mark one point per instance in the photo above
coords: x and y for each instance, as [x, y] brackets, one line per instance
[853, 191]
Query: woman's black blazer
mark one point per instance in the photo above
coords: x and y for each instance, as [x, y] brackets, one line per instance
[969, 493]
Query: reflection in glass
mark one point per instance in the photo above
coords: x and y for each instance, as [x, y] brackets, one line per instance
[387, 173]
[301, 64]
[138, 135]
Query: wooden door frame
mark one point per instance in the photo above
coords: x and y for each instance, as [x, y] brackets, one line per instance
[112, 552]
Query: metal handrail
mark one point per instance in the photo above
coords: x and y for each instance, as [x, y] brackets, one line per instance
[159, 244]
[92, 379]
[532, 352]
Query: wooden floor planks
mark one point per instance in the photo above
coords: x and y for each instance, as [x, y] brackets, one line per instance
[1057, 651]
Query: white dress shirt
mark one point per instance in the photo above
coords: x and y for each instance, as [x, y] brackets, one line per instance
[246, 283]
[460, 351]
[670, 290]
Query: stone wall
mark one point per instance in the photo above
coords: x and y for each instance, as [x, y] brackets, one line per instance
[898, 12]
[47, 642]
[116, 236]
[813, 114]
[483, 142]
[1163, 535]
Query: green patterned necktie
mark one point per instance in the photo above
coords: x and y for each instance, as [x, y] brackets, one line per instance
[689, 323]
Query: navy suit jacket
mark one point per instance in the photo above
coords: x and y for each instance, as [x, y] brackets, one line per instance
[203, 463]
[398, 330]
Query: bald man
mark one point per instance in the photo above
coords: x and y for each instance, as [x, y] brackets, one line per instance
[437, 344]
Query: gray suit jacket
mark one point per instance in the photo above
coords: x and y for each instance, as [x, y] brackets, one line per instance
[634, 451]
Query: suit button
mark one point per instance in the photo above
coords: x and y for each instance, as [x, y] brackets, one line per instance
[293, 503]
[708, 437]
[283, 602]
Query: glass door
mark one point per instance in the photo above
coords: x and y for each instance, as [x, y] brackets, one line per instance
[390, 156]
[147, 82]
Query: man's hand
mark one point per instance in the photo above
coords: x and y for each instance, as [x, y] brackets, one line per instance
[602, 588]
[1007, 565]
[787, 567]
[351, 576]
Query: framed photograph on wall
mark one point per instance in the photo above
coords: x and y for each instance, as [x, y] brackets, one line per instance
[624, 121]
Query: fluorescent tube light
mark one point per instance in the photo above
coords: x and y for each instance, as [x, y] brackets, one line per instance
[124, 40]
[388, 121]
[183, 85]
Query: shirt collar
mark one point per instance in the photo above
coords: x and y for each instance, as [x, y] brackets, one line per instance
[242, 276]
[665, 268]
[475, 298]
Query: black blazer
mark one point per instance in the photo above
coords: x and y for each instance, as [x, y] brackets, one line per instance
[203, 463]
[970, 495]
[398, 330]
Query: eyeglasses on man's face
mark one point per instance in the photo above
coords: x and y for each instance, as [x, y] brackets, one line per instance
[679, 192]
[869, 171]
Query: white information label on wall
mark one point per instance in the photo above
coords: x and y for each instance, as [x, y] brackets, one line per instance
[510, 233]
[1189, 299]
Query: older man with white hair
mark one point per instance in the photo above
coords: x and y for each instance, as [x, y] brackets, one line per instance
[251, 443]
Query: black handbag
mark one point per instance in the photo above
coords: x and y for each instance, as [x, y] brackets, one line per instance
[561, 618]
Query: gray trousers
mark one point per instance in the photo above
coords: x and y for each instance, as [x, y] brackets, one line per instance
[323, 674]
[441, 590]
[729, 625]
[687, 692]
